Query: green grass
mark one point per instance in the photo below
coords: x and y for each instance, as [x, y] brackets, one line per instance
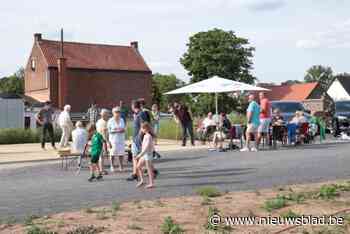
[21, 136]
[86, 230]
[328, 192]
[206, 201]
[209, 225]
[29, 219]
[289, 214]
[115, 208]
[38, 230]
[208, 192]
[102, 214]
[275, 203]
[134, 227]
[170, 227]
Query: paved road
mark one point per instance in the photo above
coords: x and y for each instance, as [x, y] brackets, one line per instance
[45, 189]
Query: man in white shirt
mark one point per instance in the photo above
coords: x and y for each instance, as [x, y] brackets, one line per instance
[209, 121]
[101, 127]
[80, 139]
[66, 125]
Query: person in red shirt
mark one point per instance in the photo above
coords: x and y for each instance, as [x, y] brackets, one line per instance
[265, 117]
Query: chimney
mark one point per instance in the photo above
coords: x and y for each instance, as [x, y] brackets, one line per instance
[37, 37]
[62, 54]
[135, 45]
[62, 77]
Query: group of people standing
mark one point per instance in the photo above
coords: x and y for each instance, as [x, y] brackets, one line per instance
[107, 137]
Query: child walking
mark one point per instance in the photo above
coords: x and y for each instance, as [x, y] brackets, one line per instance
[146, 155]
[96, 149]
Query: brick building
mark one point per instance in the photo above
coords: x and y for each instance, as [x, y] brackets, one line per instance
[81, 73]
[311, 95]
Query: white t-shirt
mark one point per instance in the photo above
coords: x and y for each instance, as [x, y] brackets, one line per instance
[80, 139]
[64, 119]
[208, 122]
[101, 127]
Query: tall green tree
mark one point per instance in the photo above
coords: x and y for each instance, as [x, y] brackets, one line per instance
[164, 83]
[13, 83]
[218, 53]
[291, 82]
[321, 74]
[221, 53]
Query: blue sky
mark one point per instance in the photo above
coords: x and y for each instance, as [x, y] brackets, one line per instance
[289, 35]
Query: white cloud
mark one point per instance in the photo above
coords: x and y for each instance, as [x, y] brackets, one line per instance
[264, 5]
[336, 36]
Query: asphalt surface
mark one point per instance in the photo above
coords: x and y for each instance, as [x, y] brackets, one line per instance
[46, 189]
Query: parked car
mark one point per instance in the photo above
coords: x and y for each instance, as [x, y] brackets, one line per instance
[288, 109]
[341, 118]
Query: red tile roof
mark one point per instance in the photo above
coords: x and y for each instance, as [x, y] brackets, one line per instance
[94, 56]
[295, 92]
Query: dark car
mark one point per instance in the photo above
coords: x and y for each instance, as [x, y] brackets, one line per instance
[288, 109]
[341, 119]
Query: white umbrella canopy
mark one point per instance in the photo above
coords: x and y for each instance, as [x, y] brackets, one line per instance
[216, 85]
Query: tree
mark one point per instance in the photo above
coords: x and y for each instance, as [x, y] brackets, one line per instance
[321, 74]
[13, 83]
[221, 53]
[291, 82]
[165, 83]
[217, 53]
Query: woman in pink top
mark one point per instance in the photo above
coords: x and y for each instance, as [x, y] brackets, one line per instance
[146, 155]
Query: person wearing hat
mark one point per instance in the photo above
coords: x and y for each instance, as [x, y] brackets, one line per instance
[116, 131]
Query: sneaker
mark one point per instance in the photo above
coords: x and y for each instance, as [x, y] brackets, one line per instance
[245, 149]
[155, 173]
[99, 177]
[254, 149]
[91, 178]
[132, 178]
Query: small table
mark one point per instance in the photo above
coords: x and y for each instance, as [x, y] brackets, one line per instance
[67, 158]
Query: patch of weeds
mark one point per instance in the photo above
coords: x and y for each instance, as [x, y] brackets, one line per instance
[170, 227]
[328, 192]
[102, 215]
[296, 197]
[86, 230]
[60, 223]
[208, 192]
[115, 208]
[206, 201]
[38, 230]
[159, 203]
[28, 220]
[209, 225]
[134, 227]
[289, 214]
[345, 187]
[10, 221]
[89, 210]
[275, 203]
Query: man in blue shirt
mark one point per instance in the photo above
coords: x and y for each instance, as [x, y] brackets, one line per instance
[253, 122]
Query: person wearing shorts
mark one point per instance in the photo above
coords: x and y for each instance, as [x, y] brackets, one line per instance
[145, 157]
[265, 117]
[95, 152]
[253, 122]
